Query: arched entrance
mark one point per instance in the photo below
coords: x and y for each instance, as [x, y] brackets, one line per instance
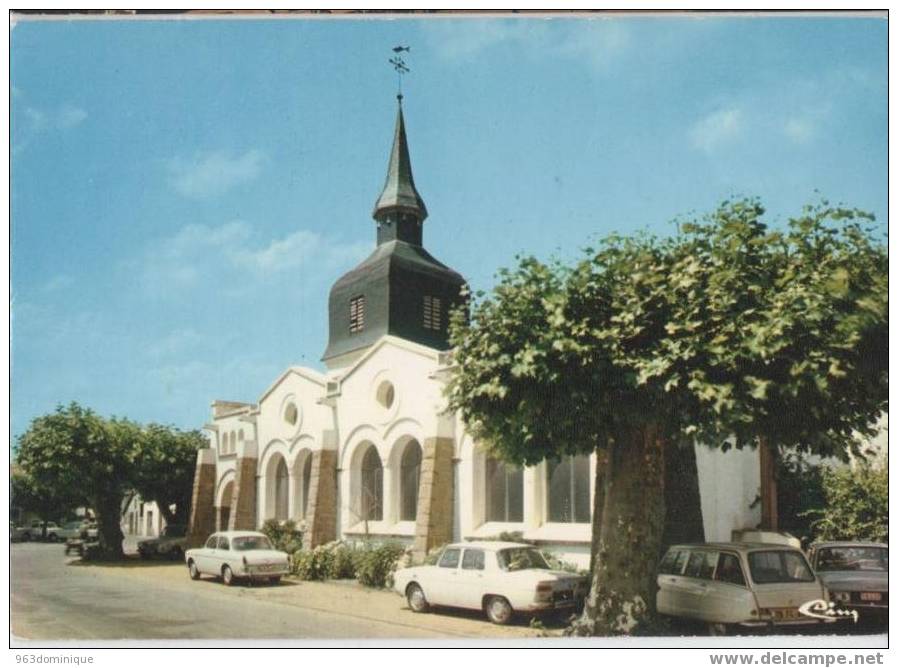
[224, 507]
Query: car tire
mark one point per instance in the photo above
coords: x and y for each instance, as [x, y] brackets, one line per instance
[193, 570]
[52, 537]
[274, 580]
[417, 602]
[176, 554]
[718, 629]
[498, 610]
[227, 575]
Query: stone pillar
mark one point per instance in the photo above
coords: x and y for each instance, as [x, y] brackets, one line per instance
[321, 520]
[202, 507]
[435, 496]
[243, 501]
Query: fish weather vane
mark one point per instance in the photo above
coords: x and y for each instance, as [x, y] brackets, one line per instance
[399, 65]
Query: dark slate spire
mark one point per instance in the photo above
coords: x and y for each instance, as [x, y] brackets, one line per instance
[400, 210]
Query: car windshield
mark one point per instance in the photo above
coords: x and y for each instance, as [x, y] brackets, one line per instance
[779, 566]
[243, 543]
[73, 525]
[519, 558]
[853, 558]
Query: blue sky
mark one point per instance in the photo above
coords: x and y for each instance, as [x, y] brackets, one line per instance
[184, 193]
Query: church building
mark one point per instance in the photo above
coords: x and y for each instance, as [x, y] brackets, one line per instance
[364, 448]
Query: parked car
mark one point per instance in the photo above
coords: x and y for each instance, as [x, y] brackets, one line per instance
[855, 573]
[170, 544]
[237, 555]
[496, 577]
[71, 530]
[35, 531]
[733, 585]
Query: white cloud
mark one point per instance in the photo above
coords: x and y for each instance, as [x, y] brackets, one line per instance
[598, 42]
[28, 121]
[595, 41]
[228, 258]
[58, 282]
[69, 116]
[214, 173]
[799, 130]
[717, 129]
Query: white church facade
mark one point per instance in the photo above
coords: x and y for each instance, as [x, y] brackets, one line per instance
[364, 449]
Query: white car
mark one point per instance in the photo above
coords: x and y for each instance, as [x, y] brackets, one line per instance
[496, 577]
[72, 530]
[856, 574]
[238, 555]
[747, 585]
[36, 531]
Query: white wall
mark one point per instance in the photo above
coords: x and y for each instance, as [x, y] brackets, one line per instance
[729, 482]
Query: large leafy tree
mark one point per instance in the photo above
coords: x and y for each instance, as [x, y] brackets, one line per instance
[48, 504]
[164, 462]
[727, 333]
[75, 457]
[75, 452]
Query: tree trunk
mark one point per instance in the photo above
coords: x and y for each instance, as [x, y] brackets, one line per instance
[169, 517]
[683, 521]
[623, 579]
[109, 528]
[598, 504]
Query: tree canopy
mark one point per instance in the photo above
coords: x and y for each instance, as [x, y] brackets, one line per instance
[76, 455]
[725, 333]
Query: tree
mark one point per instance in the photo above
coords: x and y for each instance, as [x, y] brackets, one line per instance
[164, 463]
[49, 504]
[856, 506]
[74, 451]
[726, 333]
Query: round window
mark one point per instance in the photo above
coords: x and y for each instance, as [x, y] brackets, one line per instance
[386, 394]
[291, 414]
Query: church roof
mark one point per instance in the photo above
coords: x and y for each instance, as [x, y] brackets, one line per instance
[399, 189]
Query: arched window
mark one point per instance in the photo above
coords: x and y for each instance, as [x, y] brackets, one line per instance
[567, 481]
[372, 501]
[409, 476]
[306, 483]
[504, 492]
[281, 489]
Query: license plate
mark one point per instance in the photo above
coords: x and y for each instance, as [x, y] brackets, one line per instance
[871, 596]
[785, 613]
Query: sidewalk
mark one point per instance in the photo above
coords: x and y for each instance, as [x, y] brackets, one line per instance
[343, 597]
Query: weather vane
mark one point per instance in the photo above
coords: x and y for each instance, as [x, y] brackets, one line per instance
[399, 65]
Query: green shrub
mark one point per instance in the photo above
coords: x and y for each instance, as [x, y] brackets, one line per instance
[284, 536]
[343, 562]
[558, 564]
[332, 561]
[856, 504]
[376, 565]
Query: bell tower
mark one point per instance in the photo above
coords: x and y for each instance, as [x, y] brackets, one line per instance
[400, 289]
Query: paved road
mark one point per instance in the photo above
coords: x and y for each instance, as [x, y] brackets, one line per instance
[55, 599]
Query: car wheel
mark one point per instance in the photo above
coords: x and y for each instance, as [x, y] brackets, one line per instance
[498, 609]
[416, 599]
[227, 575]
[194, 571]
[718, 629]
[274, 579]
[52, 538]
[176, 554]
